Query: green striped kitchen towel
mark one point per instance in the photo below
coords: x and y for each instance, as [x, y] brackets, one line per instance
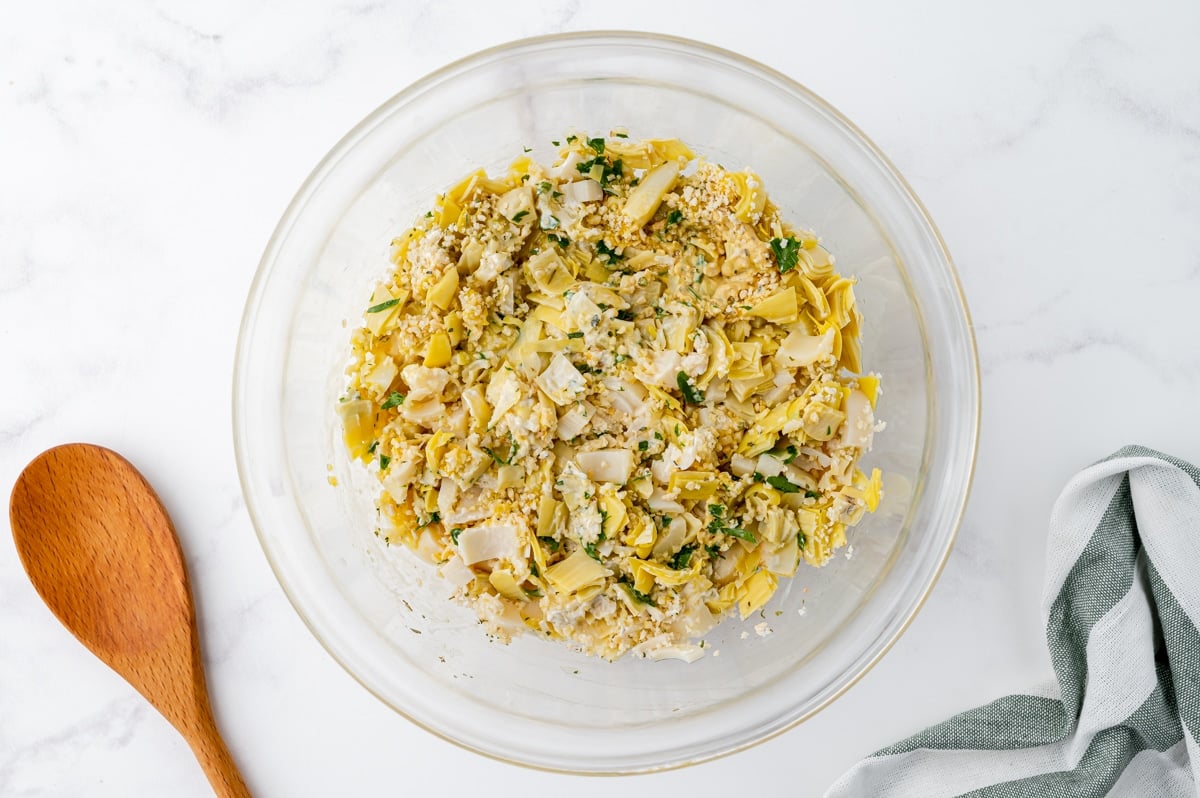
[1122, 606]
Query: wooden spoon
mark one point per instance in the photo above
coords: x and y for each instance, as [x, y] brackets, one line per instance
[100, 549]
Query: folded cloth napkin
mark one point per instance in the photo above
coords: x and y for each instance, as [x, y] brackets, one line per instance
[1122, 607]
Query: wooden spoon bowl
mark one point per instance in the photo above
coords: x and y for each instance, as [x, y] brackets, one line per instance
[101, 551]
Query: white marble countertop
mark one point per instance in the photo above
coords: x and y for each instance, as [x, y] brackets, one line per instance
[147, 150]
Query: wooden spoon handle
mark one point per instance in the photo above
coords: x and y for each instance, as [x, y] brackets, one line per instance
[206, 743]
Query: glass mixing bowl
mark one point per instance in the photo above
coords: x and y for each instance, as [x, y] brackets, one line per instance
[383, 614]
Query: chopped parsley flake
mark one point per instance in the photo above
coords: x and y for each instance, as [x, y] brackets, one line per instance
[391, 303]
[607, 252]
[395, 399]
[787, 253]
[692, 394]
[717, 525]
[683, 557]
[739, 533]
[781, 484]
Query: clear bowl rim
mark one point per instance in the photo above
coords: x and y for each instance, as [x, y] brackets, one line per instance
[611, 36]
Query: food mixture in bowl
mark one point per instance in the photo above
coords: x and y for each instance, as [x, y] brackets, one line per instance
[613, 398]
